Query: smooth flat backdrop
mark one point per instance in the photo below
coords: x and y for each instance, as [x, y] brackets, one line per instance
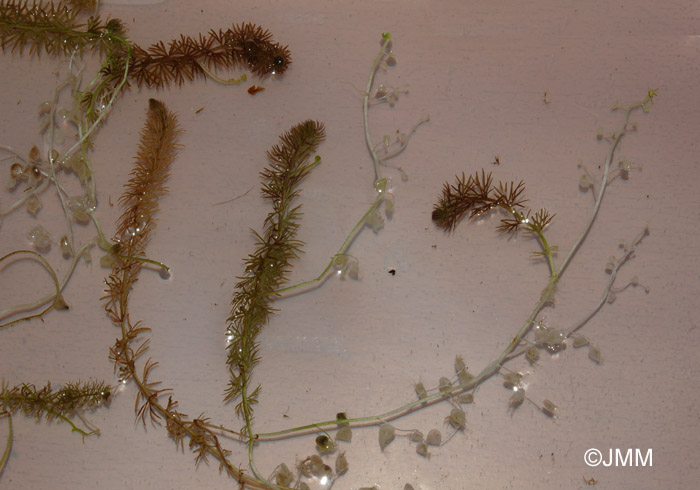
[527, 82]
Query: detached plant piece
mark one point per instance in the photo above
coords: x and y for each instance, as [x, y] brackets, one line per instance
[61, 404]
[185, 59]
[55, 300]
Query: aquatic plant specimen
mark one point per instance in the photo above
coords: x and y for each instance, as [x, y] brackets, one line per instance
[55, 300]
[288, 165]
[139, 201]
[157, 151]
[266, 268]
[70, 401]
[473, 196]
[70, 29]
[381, 153]
[187, 58]
[59, 29]
[62, 404]
[51, 27]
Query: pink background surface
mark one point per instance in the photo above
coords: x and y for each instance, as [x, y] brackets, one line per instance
[480, 69]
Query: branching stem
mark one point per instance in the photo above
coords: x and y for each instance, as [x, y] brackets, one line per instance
[615, 141]
[299, 288]
[386, 40]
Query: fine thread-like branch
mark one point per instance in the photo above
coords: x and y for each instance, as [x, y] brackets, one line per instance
[384, 52]
[628, 254]
[57, 301]
[614, 143]
[306, 285]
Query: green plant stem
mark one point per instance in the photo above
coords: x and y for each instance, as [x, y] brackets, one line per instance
[617, 137]
[611, 280]
[103, 113]
[55, 297]
[341, 251]
[371, 420]
[62, 194]
[74, 428]
[143, 260]
[102, 241]
[223, 81]
[247, 414]
[386, 37]
[152, 398]
[8, 445]
[547, 249]
[538, 232]
[299, 288]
